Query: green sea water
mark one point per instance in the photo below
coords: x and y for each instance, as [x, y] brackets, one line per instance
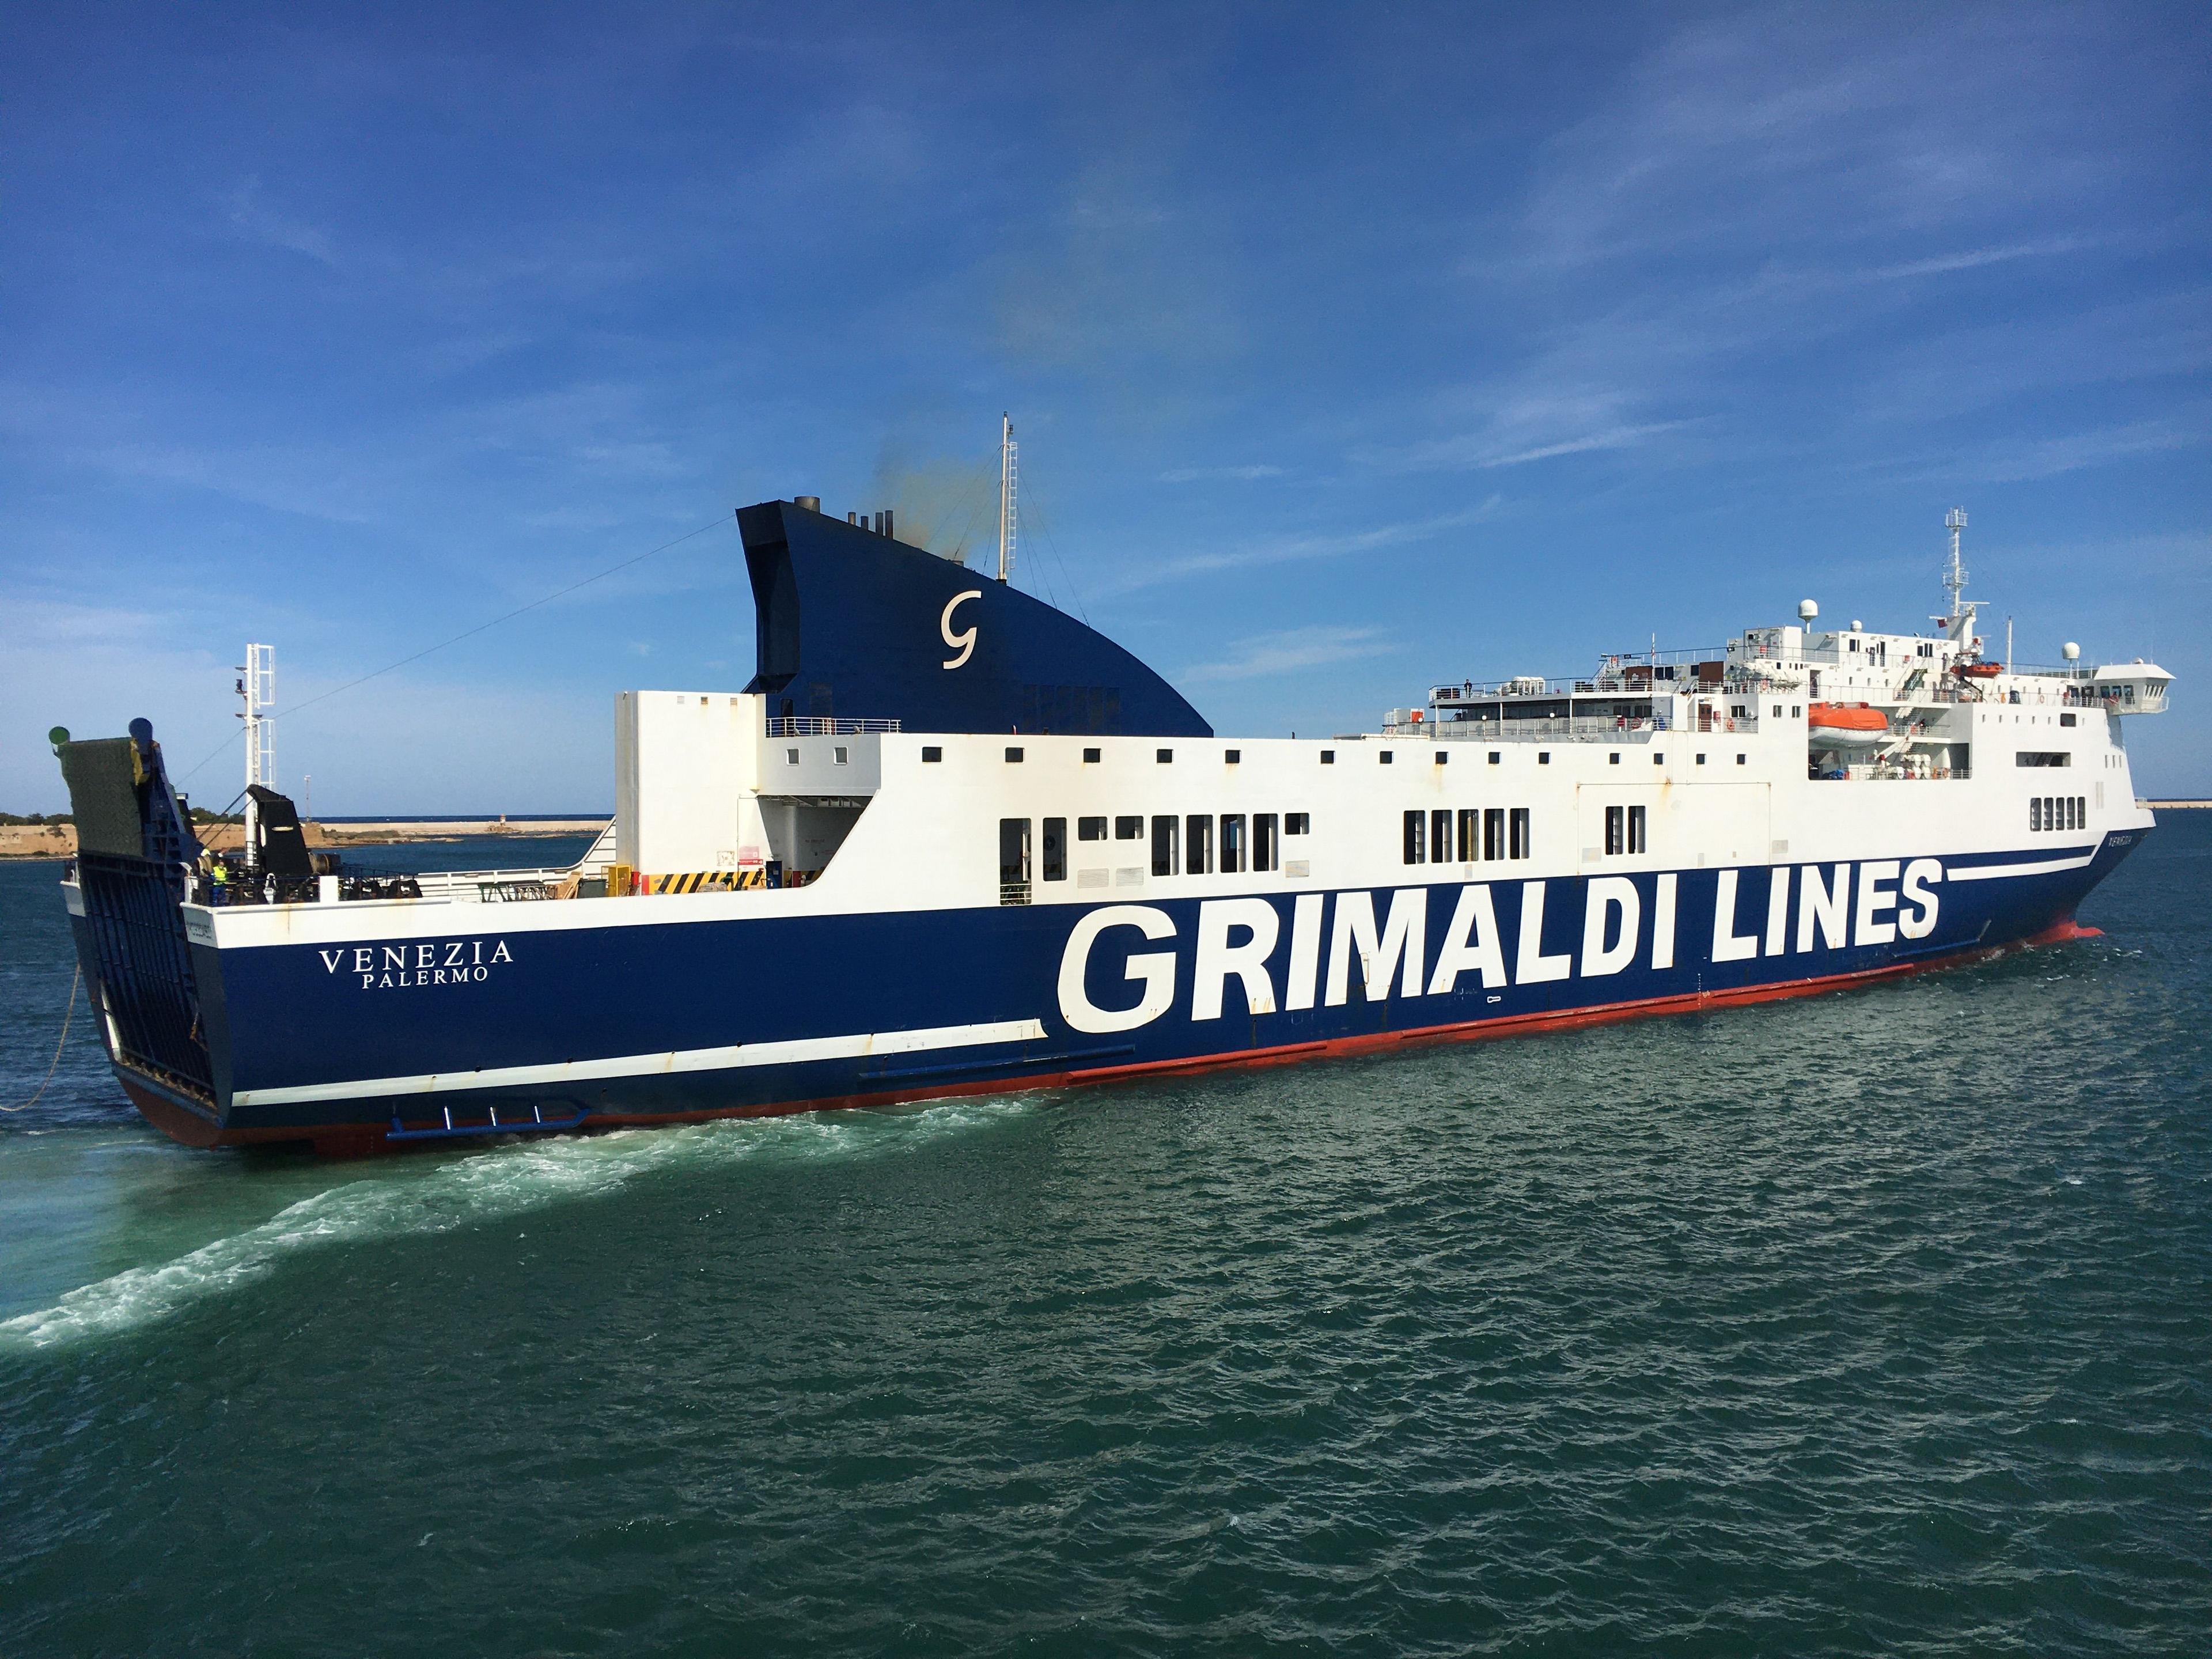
[1878, 1321]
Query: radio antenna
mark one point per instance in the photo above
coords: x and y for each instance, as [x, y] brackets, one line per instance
[1009, 479]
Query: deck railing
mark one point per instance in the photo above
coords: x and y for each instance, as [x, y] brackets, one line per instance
[810, 725]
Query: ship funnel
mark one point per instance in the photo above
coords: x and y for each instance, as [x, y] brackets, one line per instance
[812, 503]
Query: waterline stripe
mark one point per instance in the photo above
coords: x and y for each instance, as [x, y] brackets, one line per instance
[793, 1052]
[1987, 872]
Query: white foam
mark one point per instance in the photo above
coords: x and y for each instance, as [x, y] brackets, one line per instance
[490, 1185]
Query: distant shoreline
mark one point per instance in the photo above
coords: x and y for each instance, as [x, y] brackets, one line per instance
[59, 841]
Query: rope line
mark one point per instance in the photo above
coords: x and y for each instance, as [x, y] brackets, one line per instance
[68, 1014]
[558, 593]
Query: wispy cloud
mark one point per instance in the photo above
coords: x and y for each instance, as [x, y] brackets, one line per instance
[253, 218]
[1223, 474]
[1476, 451]
[1943, 264]
[1290, 549]
[2047, 458]
[1289, 650]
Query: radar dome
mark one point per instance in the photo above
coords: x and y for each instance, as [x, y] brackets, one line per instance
[2071, 651]
[1807, 611]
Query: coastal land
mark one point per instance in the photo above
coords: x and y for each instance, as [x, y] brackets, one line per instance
[59, 841]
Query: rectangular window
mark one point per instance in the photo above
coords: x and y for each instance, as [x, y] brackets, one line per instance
[1056, 849]
[1232, 844]
[1093, 829]
[1440, 845]
[1091, 757]
[1263, 841]
[1495, 757]
[1129, 829]
[1013, 850]
[1470, 835]
[1163, 757]
[2066, 719]
[2080, 812]
[931, 754]
[1416, 837]
[1163, 845]
[1232, 757]
[1387, 756]
[1637, 840]
[1013, 757]
[1493, 833]
[1543, 758]
[1328, 757]
[1614, 758]
[791, 757]
[841, 754]
[1616, 830]
[1298, 823]
[1198, 845]
[2042, 757]
[2035, 812]
[1520, 832]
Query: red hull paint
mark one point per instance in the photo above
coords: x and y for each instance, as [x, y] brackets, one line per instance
[369, 1139]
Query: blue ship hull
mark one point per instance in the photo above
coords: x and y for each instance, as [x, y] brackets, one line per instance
[605, 1026]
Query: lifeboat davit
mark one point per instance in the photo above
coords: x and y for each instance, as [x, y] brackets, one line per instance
[1846, 726]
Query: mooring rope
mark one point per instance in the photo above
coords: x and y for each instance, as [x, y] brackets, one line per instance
[68, 1014]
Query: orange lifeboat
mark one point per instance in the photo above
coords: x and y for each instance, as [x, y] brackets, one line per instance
[1846, 725]
[1978, 671]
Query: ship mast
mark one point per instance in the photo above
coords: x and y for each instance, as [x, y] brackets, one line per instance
[256, 687]
[1008, 478]
[1960, 617]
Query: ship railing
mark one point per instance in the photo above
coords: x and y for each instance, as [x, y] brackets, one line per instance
[813, 726]
[1577, 728]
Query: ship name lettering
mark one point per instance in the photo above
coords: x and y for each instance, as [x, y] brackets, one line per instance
[436, 962]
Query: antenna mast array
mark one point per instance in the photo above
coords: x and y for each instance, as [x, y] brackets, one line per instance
[257, 686]
[1009, 477]
[1955, 578]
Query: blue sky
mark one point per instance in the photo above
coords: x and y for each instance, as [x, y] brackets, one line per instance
[1350, 348]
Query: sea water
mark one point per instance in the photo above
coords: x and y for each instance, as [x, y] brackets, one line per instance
[1880, 1321]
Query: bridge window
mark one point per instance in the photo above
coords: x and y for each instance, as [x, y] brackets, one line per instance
[1198, 845]
[1416, 839]
[1056, 849]
[1129, 829]
[1165, 836]
[1093, 829]
[1263, 841]
[1232, 844]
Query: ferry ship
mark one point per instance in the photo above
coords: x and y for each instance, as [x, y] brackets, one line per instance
[949, 840]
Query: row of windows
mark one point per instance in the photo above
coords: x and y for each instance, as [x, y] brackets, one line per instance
[1494, 832]
[1183, 845]
[2057, 812]
[1016, 753]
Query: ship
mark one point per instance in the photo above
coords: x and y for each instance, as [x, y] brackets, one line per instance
[949, 840]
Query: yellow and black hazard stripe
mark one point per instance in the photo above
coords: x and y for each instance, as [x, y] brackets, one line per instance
[695, 881]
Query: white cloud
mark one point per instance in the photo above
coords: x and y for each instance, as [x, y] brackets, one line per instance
[1289, 650]
[1290, 549]
[1225, 474]
[253, 218]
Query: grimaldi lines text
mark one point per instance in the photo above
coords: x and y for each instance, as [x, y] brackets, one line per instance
[949, 840]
